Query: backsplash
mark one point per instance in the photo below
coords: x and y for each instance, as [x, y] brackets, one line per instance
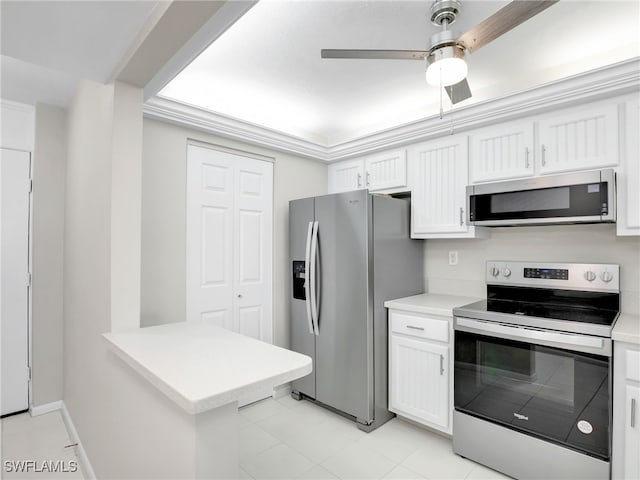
[563, 243]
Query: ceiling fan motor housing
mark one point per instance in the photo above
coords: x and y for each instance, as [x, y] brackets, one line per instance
[444, 12]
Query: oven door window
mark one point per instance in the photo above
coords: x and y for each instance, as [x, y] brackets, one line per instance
[554, 394]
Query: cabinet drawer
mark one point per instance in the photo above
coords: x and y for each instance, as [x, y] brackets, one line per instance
[633, 365]
[418, 326]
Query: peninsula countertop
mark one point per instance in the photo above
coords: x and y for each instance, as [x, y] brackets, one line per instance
[201, 366]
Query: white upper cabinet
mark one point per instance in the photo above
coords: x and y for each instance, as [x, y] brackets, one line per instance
[628, 175]
[439, 176]
[345, 176]
[381, 171]
[386, 170]
[579, 139]
[501, 152]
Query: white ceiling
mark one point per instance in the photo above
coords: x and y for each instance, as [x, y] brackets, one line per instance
[47, 46]
[266, 69]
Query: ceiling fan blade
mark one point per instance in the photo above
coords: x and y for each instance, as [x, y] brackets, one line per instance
[375, 54]
[508, 17]
[459, 91]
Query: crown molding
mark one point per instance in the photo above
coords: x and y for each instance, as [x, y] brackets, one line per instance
[215, 123]
[617, 79]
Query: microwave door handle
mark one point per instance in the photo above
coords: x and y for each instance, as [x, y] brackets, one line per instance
[307, 281]
[313, 283]
[566, 341]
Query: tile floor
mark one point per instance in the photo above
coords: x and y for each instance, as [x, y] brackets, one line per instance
[284, 438]
[279, 439]
[43, 440]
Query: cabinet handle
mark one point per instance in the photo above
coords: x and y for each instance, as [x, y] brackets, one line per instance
[359, 180]
[526, 158]
[368, 179]
[415, 328]
[461, 216]
[441, 364]
[543, 151]
[633, 413]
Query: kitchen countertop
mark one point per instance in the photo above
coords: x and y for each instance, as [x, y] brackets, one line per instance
[201, 366]
[627, 329]
[430, 303]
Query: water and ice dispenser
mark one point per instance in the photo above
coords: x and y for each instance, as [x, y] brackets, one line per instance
[299, 277]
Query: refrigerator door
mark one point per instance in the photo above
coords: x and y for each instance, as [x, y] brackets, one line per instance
[344, 345]
[301, 214]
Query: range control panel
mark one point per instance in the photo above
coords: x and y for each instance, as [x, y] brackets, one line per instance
[572, 276]
[553, 273]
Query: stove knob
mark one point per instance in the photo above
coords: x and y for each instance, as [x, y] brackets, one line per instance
[589, 276]
[506, 272]
[606, 276]
[495, 271]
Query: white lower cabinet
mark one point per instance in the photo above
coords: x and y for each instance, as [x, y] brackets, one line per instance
[626, 412]
[419, 369]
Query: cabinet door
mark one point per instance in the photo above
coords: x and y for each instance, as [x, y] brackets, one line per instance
[346, 176]
[419, 385]
[632, 432]
[439, 174]
[579, 139]
[628, 175]
[386, 170]
[501, 152]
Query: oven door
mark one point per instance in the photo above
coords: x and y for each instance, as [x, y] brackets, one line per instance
[552, 385]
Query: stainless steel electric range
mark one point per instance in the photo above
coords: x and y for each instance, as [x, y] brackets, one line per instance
[532, 370]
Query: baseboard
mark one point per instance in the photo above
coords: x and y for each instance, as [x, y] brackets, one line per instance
[282, 391]
[36, 410]
[85, 464]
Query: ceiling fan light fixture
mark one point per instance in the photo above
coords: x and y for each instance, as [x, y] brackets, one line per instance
[446, 66]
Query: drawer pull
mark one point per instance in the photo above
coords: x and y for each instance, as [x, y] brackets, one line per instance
[633, 413]
[415, 328]
[441, 364]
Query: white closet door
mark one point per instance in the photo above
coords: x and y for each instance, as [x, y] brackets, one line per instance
[253, 242]
[229, 241]
[210, 218]
[14, 286]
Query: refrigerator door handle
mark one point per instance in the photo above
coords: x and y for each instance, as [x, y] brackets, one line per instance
[307, 287]
[313, 260]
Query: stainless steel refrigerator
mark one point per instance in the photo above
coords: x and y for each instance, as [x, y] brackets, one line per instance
[349, 253]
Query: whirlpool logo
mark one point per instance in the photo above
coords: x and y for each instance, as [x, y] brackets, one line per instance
[520, 417]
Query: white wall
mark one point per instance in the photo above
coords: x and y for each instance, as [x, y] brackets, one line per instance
[565, 243]
[127, 427]
[49, 163]
[164, 222]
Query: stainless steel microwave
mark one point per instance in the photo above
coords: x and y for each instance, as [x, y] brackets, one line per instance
[582, 197]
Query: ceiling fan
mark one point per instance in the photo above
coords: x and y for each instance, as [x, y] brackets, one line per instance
[445, 57]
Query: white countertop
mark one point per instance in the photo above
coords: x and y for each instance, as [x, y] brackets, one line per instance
[627, 329]
[201, 366]
[430, 303]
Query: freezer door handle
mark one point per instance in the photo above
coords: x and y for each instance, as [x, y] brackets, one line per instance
[307, 288]
[313, 285]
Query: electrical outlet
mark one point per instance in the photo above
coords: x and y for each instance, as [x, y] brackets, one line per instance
[453, 257]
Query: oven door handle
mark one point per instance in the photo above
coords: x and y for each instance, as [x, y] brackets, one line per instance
[565, 341]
